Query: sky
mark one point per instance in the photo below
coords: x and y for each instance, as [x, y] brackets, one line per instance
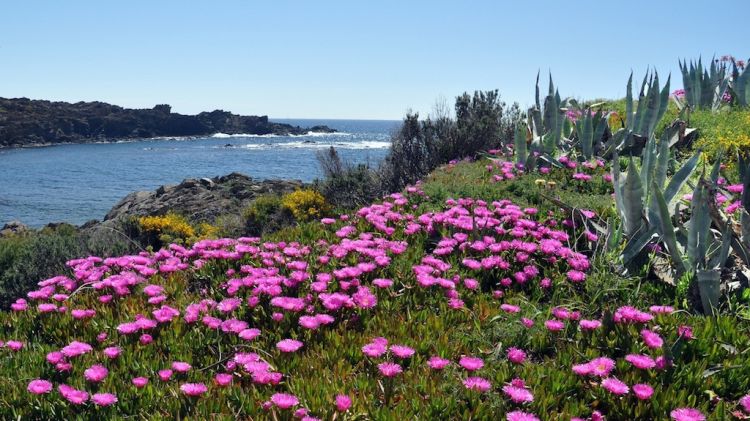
[348, 59]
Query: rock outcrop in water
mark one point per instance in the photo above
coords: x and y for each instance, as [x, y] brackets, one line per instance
[200, 199]
[25, 122]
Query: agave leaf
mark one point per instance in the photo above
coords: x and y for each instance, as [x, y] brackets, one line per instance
[619, 202]
[586, 135]
[659, 213]
[520, 144]
[680, 177]
[636, 244]
[726, 241]
[632, 192]
[700, 223]
[629, 121]
[662, 159]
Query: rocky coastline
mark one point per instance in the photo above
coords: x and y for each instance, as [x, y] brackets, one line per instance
[26, 123]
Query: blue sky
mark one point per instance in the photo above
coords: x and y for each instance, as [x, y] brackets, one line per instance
[348, 59]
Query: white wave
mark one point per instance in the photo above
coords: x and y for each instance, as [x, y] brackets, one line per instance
[308, 134]
[367, 144]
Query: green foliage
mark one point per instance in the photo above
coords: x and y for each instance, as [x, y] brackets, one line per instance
[266, 214]
[31, 257]
[725, 130]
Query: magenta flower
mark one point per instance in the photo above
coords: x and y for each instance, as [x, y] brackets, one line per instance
[652, 339]
[554, 325]
[509, 308]
[516, 356]
[374, 350]
[284, 400]
[518, 394]
[745, 402]
[687, 414]
[520, 416]
[39, 387]
[249, 334]
[389, 369]
[72, 395]
[343, 403]
[112, 352]
[589, 324]
[477, 383]
[289, 345]
[471, 363]
[643, 362]
[181, 367]
[139, 382]
[96, 373]
[402, 351]
[437, 363]
[103, 399]
[642, 391]
[223, 379]
[615, 386]
[165, 375]
[75, 349]
[193, 389]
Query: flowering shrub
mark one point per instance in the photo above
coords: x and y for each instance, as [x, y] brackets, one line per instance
[727, 131]
[415, 307]
[305, 204]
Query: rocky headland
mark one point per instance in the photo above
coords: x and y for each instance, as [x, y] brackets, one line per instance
[26, 122]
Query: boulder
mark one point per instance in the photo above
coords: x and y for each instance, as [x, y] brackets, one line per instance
[200, 199]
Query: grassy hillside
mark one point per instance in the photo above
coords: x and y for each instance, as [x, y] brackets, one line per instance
[468, 296]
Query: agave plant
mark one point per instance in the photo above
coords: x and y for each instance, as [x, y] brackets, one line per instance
[589, 131]
[547, 123]
[640, 122]
[643, 199]
[739, 86]
[704, 88]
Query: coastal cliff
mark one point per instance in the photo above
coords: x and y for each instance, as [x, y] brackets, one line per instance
[26, 122]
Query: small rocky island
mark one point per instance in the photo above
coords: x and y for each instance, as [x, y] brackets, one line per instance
[26, 122]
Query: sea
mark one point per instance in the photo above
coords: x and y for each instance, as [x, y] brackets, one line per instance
[80, 182]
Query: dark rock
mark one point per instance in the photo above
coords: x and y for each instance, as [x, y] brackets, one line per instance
[199, 200]
[25, 122]
[13, 228]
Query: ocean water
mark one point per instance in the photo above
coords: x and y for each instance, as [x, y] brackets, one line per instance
[77, 183]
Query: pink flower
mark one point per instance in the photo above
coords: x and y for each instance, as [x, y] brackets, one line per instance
[402, 351]
[374, 350]
[745, 402]
[471, 363]
[39, 387]
[96, 373]
[516, 355]
[509, 308]
[651, 339]
[165, 375]
[223, 379]
[284, 400]
[249, 334]
[112, 352]
[343, 403]
[661, 309]
[518, 394]
[643, 362]
[145, 339]
[601, 367]
[477, 383]
[687, 414]
[181, 367]
[388, 369]
[615, 386]
[289, 345]
[75, 349]
[14, 345]
[139, 382]
[103, 399]
[576, 276]
[193, 389]
[527, 322]
[520, 416]
[437, 363]
[72, 395]
[589, 324]
[554, 325]
[685, 332]
[642, 391]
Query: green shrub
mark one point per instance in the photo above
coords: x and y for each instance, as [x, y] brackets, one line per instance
[266, 214]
